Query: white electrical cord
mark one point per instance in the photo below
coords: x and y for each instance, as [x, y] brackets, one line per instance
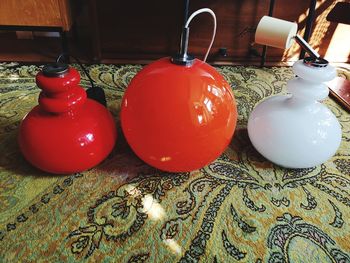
[199, 11]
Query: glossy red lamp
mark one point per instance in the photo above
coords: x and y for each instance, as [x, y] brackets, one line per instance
[66, 132]
[179, 114]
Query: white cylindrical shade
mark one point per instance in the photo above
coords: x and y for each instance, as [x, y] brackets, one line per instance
[275, 32]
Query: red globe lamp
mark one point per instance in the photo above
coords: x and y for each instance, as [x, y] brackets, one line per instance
[66, 132]
[178, 114]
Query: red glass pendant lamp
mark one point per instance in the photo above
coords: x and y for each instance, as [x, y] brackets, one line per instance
[179, 114]
[66, 132]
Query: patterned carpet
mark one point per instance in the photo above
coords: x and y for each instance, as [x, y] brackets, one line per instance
[240, 208]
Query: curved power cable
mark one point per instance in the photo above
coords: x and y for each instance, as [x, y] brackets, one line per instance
[199, 11]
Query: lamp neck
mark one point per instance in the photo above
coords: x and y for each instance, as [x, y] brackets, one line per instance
[182, 58]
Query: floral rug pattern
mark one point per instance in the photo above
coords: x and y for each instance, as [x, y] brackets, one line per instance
[240, 208]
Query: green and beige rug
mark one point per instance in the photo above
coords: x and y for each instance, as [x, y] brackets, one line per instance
[240, 208]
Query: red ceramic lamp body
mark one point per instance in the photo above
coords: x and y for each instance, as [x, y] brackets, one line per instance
[178, 118]
[66, 132]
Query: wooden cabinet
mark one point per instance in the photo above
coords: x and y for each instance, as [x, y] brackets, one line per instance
[134, 31]
[39, 13]
[137, 31]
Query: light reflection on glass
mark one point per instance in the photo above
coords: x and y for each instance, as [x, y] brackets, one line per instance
[322, 134]
[206, 107]
[165, 159]
[90, 136]
[208, 104]
[86, 139]
[215, 91]
[200, 119]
